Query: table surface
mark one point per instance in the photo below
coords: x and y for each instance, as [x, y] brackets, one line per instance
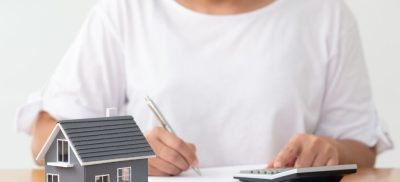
[363, 175]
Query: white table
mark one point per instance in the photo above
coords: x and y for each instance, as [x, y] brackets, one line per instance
[219, 174]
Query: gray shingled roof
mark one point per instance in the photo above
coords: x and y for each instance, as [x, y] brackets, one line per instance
[109, 138]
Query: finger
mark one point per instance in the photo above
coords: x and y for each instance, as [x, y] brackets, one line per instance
[287, 155]
[192, 147]
[164, 166]
[312, 146]
[170, 155]
[155, 172]
[333, 161]
[172, 141]
[270, 164]
[291, 164]
[306, 158]
[322, 158]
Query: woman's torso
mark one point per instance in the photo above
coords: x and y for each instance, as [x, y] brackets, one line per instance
[233, 85]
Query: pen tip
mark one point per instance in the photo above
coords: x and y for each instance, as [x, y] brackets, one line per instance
[197, 170]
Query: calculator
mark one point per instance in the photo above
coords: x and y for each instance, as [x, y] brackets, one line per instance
[309, 174]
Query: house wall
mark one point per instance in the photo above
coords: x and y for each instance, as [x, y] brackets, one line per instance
[73, 174]
[139, 170]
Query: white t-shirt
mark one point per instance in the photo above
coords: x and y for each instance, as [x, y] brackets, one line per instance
[237, 86]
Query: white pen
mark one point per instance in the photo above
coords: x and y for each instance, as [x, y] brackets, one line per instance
[164, 122]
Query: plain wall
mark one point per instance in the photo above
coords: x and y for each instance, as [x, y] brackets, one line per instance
[34, 34]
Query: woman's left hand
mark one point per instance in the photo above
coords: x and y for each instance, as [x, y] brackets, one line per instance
[305, 150]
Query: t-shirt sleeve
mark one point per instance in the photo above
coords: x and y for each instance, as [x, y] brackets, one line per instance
[89, 78]
[348, 111]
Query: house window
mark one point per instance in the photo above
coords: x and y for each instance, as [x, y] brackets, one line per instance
[62, 151]
[52, 178]
[124, 174]
[102, 178]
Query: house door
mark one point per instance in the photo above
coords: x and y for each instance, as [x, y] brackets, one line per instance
[52, 178]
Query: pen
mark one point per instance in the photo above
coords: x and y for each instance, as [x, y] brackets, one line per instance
[164, 123]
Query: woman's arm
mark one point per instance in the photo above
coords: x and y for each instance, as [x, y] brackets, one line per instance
[305, 150]
[41, 130]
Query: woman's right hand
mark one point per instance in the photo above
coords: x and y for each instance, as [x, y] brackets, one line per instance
[173, 154]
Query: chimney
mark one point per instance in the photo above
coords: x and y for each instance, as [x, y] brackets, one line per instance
[112, 111]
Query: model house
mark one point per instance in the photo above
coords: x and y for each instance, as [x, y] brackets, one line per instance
[110, 149]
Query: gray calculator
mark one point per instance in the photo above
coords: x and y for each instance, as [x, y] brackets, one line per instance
[311, 174]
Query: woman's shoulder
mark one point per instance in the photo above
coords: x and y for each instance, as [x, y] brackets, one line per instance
[326, 6]
[322, 3]
[126, 6]
[125, 13]
[323, 11]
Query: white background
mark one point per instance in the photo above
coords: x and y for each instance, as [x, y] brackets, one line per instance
[34, 34]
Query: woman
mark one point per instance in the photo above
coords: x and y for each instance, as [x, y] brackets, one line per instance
[243, 82]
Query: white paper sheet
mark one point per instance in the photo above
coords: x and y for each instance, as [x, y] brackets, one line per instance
[221, 174]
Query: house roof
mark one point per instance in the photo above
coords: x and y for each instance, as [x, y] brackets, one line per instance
[103, 140]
